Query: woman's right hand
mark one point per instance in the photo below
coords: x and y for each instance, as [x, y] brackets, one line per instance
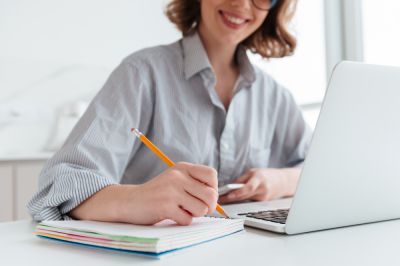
[179, 193]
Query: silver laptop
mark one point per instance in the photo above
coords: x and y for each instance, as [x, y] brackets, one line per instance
[352, 171]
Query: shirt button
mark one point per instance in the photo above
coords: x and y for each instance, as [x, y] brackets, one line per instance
[225, 145]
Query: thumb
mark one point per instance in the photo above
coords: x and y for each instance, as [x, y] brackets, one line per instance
[243, 178]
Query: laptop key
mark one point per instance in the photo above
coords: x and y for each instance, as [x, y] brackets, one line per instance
[277, 216]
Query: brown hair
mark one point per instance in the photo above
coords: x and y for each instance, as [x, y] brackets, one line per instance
[271, 40]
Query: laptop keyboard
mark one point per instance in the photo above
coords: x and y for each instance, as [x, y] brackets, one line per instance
[276, 216]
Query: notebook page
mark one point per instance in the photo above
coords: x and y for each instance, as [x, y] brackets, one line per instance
[166, 228]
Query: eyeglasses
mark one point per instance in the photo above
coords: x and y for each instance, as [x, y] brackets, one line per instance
[264, 4]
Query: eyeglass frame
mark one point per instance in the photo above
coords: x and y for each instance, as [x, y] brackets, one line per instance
[273, 4]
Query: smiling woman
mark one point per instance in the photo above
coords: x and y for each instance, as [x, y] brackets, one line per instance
[203, 103]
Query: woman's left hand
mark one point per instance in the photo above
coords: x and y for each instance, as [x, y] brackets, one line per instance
[264, 184]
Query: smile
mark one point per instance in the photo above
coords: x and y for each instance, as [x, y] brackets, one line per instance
[232, 21]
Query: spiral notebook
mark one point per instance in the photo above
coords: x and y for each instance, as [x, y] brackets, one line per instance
[156, 241]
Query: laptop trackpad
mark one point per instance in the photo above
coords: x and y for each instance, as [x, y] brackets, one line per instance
[233, 209]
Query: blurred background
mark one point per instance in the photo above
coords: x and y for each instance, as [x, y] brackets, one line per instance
[56, 55]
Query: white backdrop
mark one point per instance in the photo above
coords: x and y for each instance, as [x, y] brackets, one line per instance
[55, 54]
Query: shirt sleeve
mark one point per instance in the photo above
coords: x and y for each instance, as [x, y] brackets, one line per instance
[292, 135]
[99, 147]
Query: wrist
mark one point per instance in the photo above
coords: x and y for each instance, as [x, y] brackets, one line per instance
[105, 204]
[135, 205]
[98, 207]
[124, 202]
[291, 177]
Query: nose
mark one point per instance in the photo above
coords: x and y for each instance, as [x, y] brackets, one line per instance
[243, 4]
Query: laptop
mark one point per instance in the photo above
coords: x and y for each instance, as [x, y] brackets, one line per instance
[351, 174]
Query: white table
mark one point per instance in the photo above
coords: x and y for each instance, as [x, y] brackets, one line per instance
[372, 244]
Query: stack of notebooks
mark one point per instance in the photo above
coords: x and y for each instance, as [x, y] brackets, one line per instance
[156, 241]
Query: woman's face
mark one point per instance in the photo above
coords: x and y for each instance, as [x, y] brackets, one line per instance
[229, 22]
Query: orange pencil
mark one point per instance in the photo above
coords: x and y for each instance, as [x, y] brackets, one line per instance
[165, 159]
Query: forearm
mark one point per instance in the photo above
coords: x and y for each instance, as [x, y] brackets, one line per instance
[291, 176]
[105, 205]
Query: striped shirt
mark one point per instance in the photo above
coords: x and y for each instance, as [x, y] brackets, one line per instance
[167, 92]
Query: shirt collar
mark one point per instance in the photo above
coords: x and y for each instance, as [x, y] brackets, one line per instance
[246, 68]
[194, 55]
[195, 58]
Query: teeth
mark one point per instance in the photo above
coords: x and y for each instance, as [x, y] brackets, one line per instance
[234, 20]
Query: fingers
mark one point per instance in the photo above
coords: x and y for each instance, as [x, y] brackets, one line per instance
[193, 205]
[203, 193]
[250, 188]
[244, 178]
[201, 184]
[186, 191]
[202, 173]
[231, 197]
[179, 215]
[247, 192]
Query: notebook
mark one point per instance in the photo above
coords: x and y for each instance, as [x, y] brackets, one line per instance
[156, 241]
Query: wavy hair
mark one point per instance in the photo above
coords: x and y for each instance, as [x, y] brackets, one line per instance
[271, 40]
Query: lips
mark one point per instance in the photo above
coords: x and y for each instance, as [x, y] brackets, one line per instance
[232, 21]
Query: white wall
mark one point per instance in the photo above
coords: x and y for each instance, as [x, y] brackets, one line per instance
[54, 53]
[93, 32]
[381, 22]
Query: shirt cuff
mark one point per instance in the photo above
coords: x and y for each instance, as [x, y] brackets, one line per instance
[65, 194]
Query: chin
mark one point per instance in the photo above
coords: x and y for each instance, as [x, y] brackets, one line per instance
[228, 39]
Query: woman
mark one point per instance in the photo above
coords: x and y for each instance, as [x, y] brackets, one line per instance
[203, 103]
